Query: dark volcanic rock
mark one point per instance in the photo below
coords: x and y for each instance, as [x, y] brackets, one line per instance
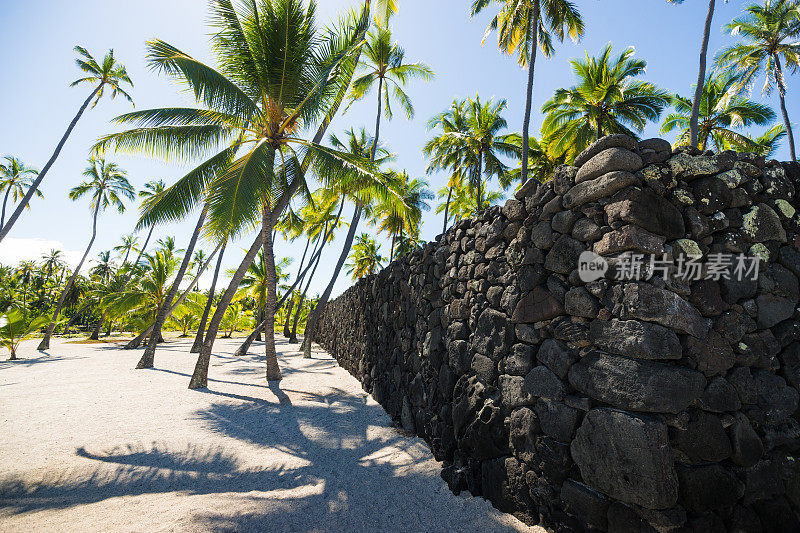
[626, 457]
[633, 338]
[636, 385]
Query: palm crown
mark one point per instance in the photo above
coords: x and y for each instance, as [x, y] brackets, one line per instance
[15, 179]
[107, 185]
[605, 100]
[723, 111]
[107, 73]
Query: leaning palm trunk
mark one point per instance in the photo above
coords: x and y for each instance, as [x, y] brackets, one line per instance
[198, 340]
[273, 370]
[312, 320]
[526, 122]
[782, 96]
[5, 201]
[149, 354]
[293, 336]
[95, 336]
[35, 186]
[701, 77]
[144, 246]
[45, 344]
[286, 330]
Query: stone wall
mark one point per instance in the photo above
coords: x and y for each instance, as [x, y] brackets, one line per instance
[613, 405]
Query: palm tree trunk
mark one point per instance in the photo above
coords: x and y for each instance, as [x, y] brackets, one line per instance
[45, 344]
[534, 29]
[198, 340]
[149, 354]
[701, 77]
[286, 330]
[782, 96]
[35, 186]
[95, 336]
[146, 241]
[273, 370]
[5, 201]
[447, 209]
[312, 320]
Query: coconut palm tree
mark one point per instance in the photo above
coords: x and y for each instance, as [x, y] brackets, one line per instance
[404, 219]
[198, 340]
[108, 187]
[15, 179]
[523, 26]
[109, 73]
[724, 112]
[278, 74]
[765, 144]
[363, 196]
[104, 268]
[701, 74]
[128, 244]
[606, 100]
[445, 149]
[150, 194]
[365, 258]
[771, 33]
[464, 203]
[145, 296]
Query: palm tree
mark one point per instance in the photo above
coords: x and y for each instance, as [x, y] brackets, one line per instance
[701, 74]
[470, 145]
[145, 295]
[150, 194]
[278, 75]
[522, 27]
[365, 258]
[107, 186]
[104, 268]
[363, 195]
[128, 244]
[404, 219]
[723, 111]
[108, 73]
[770, 32]
[16, 326]
[15, 178]
[604, 101]
[464, 204]
[198, 340]
[445, 150]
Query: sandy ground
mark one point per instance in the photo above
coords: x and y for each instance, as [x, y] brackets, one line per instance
[87, 443]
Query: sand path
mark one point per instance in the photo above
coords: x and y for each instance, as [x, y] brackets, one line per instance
[89, 444]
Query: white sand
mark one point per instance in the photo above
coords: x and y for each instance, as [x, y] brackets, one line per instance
[87, 443]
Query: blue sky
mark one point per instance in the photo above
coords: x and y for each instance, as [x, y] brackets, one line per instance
[36, 102]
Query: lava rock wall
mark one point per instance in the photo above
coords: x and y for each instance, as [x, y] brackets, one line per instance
[613, 405]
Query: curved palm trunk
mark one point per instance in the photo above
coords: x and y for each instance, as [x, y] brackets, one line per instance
[273, 370]
[45, 344]
[35, 186]
[293, 337]
[286, 330]
[312, 320]
[782, 96]
[534, 29]
[149, 354]
[701, 77]
[146, 241]
[5, 201]
[391, 250]
[198, 340]
[447, 209]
